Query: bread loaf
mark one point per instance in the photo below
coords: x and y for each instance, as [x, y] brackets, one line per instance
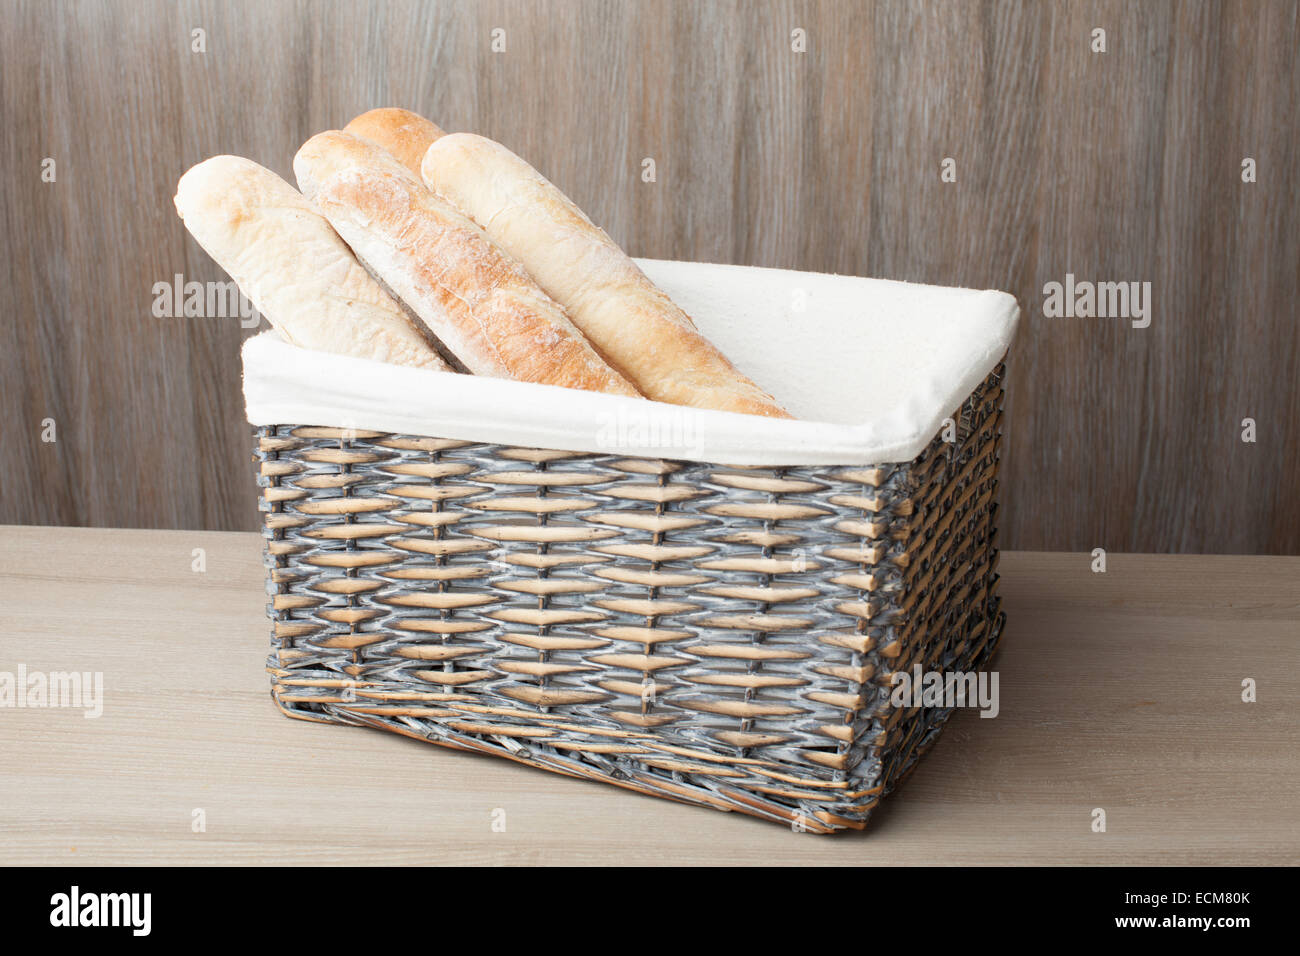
[630, 320]
[405, 134]
[292, 265]
[481, 305]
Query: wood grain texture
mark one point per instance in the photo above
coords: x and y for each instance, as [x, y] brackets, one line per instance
[1117, 166]
[1117, 690]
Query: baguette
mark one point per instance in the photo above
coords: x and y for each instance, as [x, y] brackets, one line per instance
[293, 266]
[629, 319]
[405, 134]
[480, 303]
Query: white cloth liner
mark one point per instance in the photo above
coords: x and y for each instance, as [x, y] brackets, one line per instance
[871, 367]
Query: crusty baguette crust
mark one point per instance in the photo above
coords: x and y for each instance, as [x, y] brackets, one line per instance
[405, 134]
[479, 302]
[293, 266]
[630, 320]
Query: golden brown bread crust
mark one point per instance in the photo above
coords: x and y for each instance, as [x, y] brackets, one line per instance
[405, 134]
[630, 320]
[293, 266]
[480, 303]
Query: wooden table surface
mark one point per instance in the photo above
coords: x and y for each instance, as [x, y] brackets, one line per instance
[1119, 690]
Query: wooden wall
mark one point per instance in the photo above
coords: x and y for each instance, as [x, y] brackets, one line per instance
[1122, 165]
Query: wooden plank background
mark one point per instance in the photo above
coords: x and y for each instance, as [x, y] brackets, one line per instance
[1123, 165]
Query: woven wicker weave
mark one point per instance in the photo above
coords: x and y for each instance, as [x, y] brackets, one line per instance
[721, 636]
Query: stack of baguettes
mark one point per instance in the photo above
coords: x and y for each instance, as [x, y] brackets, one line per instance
[412, 246]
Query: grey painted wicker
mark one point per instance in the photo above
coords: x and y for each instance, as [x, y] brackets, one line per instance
[722, 636]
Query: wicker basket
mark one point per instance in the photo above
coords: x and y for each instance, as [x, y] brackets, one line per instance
[716, 635]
